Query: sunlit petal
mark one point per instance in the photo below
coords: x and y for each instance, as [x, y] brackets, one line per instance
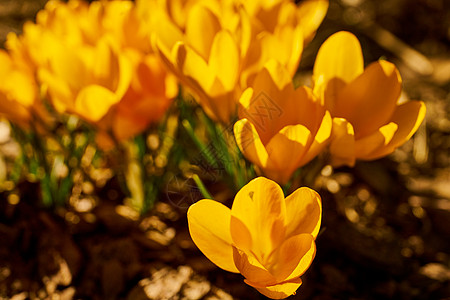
[369, 101]
[209, 226]
[260, 206]
[251, 268]
[201, 27]
[295, 257]
[342, 145]
[304, 212]
[408, 117]
[94, 101]
[379, 139]
[338, 62]
[311, 14]
[249, 142]
[278, 291]
[224, 59]
[321, 138]
[297, 139]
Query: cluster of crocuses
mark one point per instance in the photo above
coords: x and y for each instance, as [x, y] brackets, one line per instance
[94, 61]
[117, 66]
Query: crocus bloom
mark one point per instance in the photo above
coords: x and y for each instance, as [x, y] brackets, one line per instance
[282, 128]
[217, 47]
[86, 80]
[146, 100]
[368, 120]
[267, 238]
[91, 65]
[19, 101]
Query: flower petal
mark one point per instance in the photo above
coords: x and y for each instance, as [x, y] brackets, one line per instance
[294, 257]
[271, 105]
[378, 140]
[342, 146]
[321, 138]
[249, 142]
[408, 117]
[209, 226]
[303, 212]
[278, 291]
[260, 206]
[194, 68]
[251, 268]
[369, 101]
[224, 59]
[311, 14]
[338, 62]
[201, 27]
[94, 101]
[164, 38]
[286, 150]
[306, 248]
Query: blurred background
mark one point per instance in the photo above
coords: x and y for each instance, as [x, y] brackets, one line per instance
[386, 224]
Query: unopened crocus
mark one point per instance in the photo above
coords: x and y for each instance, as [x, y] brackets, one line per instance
[369, 122]
[281, 128]
[266, 237]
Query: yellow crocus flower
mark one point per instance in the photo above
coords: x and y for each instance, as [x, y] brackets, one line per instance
[368, 120]
[147, 99]
[205, 58]
[281, 128]
[92, 65]
[217, 48]
[17, 91]
[86, 80]
[266, 237]
[19, 101]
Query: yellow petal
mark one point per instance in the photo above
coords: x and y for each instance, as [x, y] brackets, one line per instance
[260, 206]
[194, 67]
[286, 150]
[408, 117]
[311, 14]
[285, 46]
[249, 142]
[295, 256]
[338, 62]
[304, 212]
[94, 101]
[379, 139]
[220, 107]
[271, 105]
[278, 291]
[251, 268]
[201, 27]
[165, 35]
[276, 73]
[306, 247]
[61, 96]
[369, 101]
[224, 59]
[342, 145]
[68, 65]
[321, 138]
[209, 226]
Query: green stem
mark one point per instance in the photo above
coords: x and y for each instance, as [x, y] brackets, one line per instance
[203, 149]
[202, 187]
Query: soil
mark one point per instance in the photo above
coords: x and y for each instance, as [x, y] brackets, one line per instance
[386, 223]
